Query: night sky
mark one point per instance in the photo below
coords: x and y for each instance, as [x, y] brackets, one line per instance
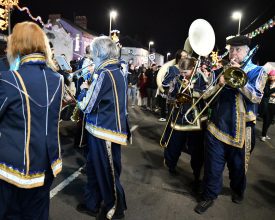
[166, 23]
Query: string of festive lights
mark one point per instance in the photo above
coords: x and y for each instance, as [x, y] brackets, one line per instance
[37, 19]
[266, 26]
[6, 6]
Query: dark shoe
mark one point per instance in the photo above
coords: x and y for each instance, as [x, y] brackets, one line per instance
[118, 216]
[83, 171]
[83, 209]
[236, 198]
[172, 171]
[203, 206]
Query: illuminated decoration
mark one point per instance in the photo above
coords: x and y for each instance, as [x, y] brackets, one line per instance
[152, 57]
[216, 58]
[115, 37]
[77, 43]
[38, 18]
[6, 5]
[268, 25]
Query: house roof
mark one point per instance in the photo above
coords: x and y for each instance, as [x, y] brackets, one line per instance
[79, 28]
[127, 41]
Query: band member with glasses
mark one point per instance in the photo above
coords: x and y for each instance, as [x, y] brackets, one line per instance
[230, 135]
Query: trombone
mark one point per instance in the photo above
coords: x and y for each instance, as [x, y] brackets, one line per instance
[181, 98]
[202, 40]
[234, 77]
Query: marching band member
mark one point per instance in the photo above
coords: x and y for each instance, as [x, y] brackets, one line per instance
[193, 140]
[80, 138]
[30, 103]
[85, 74]
[104, 103]
[230, 133]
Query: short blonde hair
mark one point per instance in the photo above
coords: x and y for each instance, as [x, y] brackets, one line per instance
[27, 38]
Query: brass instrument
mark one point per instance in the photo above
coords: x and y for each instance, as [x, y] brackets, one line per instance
[76, 112]
[202, 40]
[79, 70]
[234, 77]
[68, 103]
[181, 98]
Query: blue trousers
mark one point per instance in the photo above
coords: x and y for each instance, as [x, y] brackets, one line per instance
[189, 142]
[102, 186]
[217, 154]
[25, 204]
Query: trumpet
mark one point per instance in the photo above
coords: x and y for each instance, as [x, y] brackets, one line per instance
[71, 75]
[234, 77]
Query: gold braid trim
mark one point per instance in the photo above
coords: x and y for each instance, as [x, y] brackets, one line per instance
[21, 176]
[33, 57]
[56, 163]
[237, 141]
[247, 146]
[28, 121]
[117, 104]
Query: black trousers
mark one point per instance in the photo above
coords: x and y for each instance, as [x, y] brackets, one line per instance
[25, 204]
[267, 118]
[162, 105]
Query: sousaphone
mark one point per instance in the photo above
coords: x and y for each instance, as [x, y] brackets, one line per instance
[163, 70]
[201, 40]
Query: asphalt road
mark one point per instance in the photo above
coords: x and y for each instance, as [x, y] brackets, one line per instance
[151, 193]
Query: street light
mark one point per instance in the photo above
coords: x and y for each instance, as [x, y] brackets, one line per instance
[150, 43]
[113, 15]
[237, 16]
[167, 55]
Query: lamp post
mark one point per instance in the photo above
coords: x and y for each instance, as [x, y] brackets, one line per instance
[113, 15]
[150, 43]
[238, 16]
[167, 55]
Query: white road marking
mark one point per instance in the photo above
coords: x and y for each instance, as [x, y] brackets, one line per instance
[65, 183]
[134, 128]
[71, 178]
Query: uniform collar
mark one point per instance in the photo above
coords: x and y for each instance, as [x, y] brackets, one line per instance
[107, 62]
[34, 58]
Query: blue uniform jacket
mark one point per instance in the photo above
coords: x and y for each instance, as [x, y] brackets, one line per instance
[234, 107]
[104, 103]
[29, 140]
[171, 80]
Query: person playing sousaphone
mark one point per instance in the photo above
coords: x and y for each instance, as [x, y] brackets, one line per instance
[230, 135]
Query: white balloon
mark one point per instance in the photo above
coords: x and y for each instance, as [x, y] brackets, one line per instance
[201, 37]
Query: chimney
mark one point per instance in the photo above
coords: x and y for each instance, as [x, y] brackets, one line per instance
[53, 18]
[81, 21]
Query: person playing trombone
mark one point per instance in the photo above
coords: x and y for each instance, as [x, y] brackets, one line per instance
[176, 137]
[230, 135]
